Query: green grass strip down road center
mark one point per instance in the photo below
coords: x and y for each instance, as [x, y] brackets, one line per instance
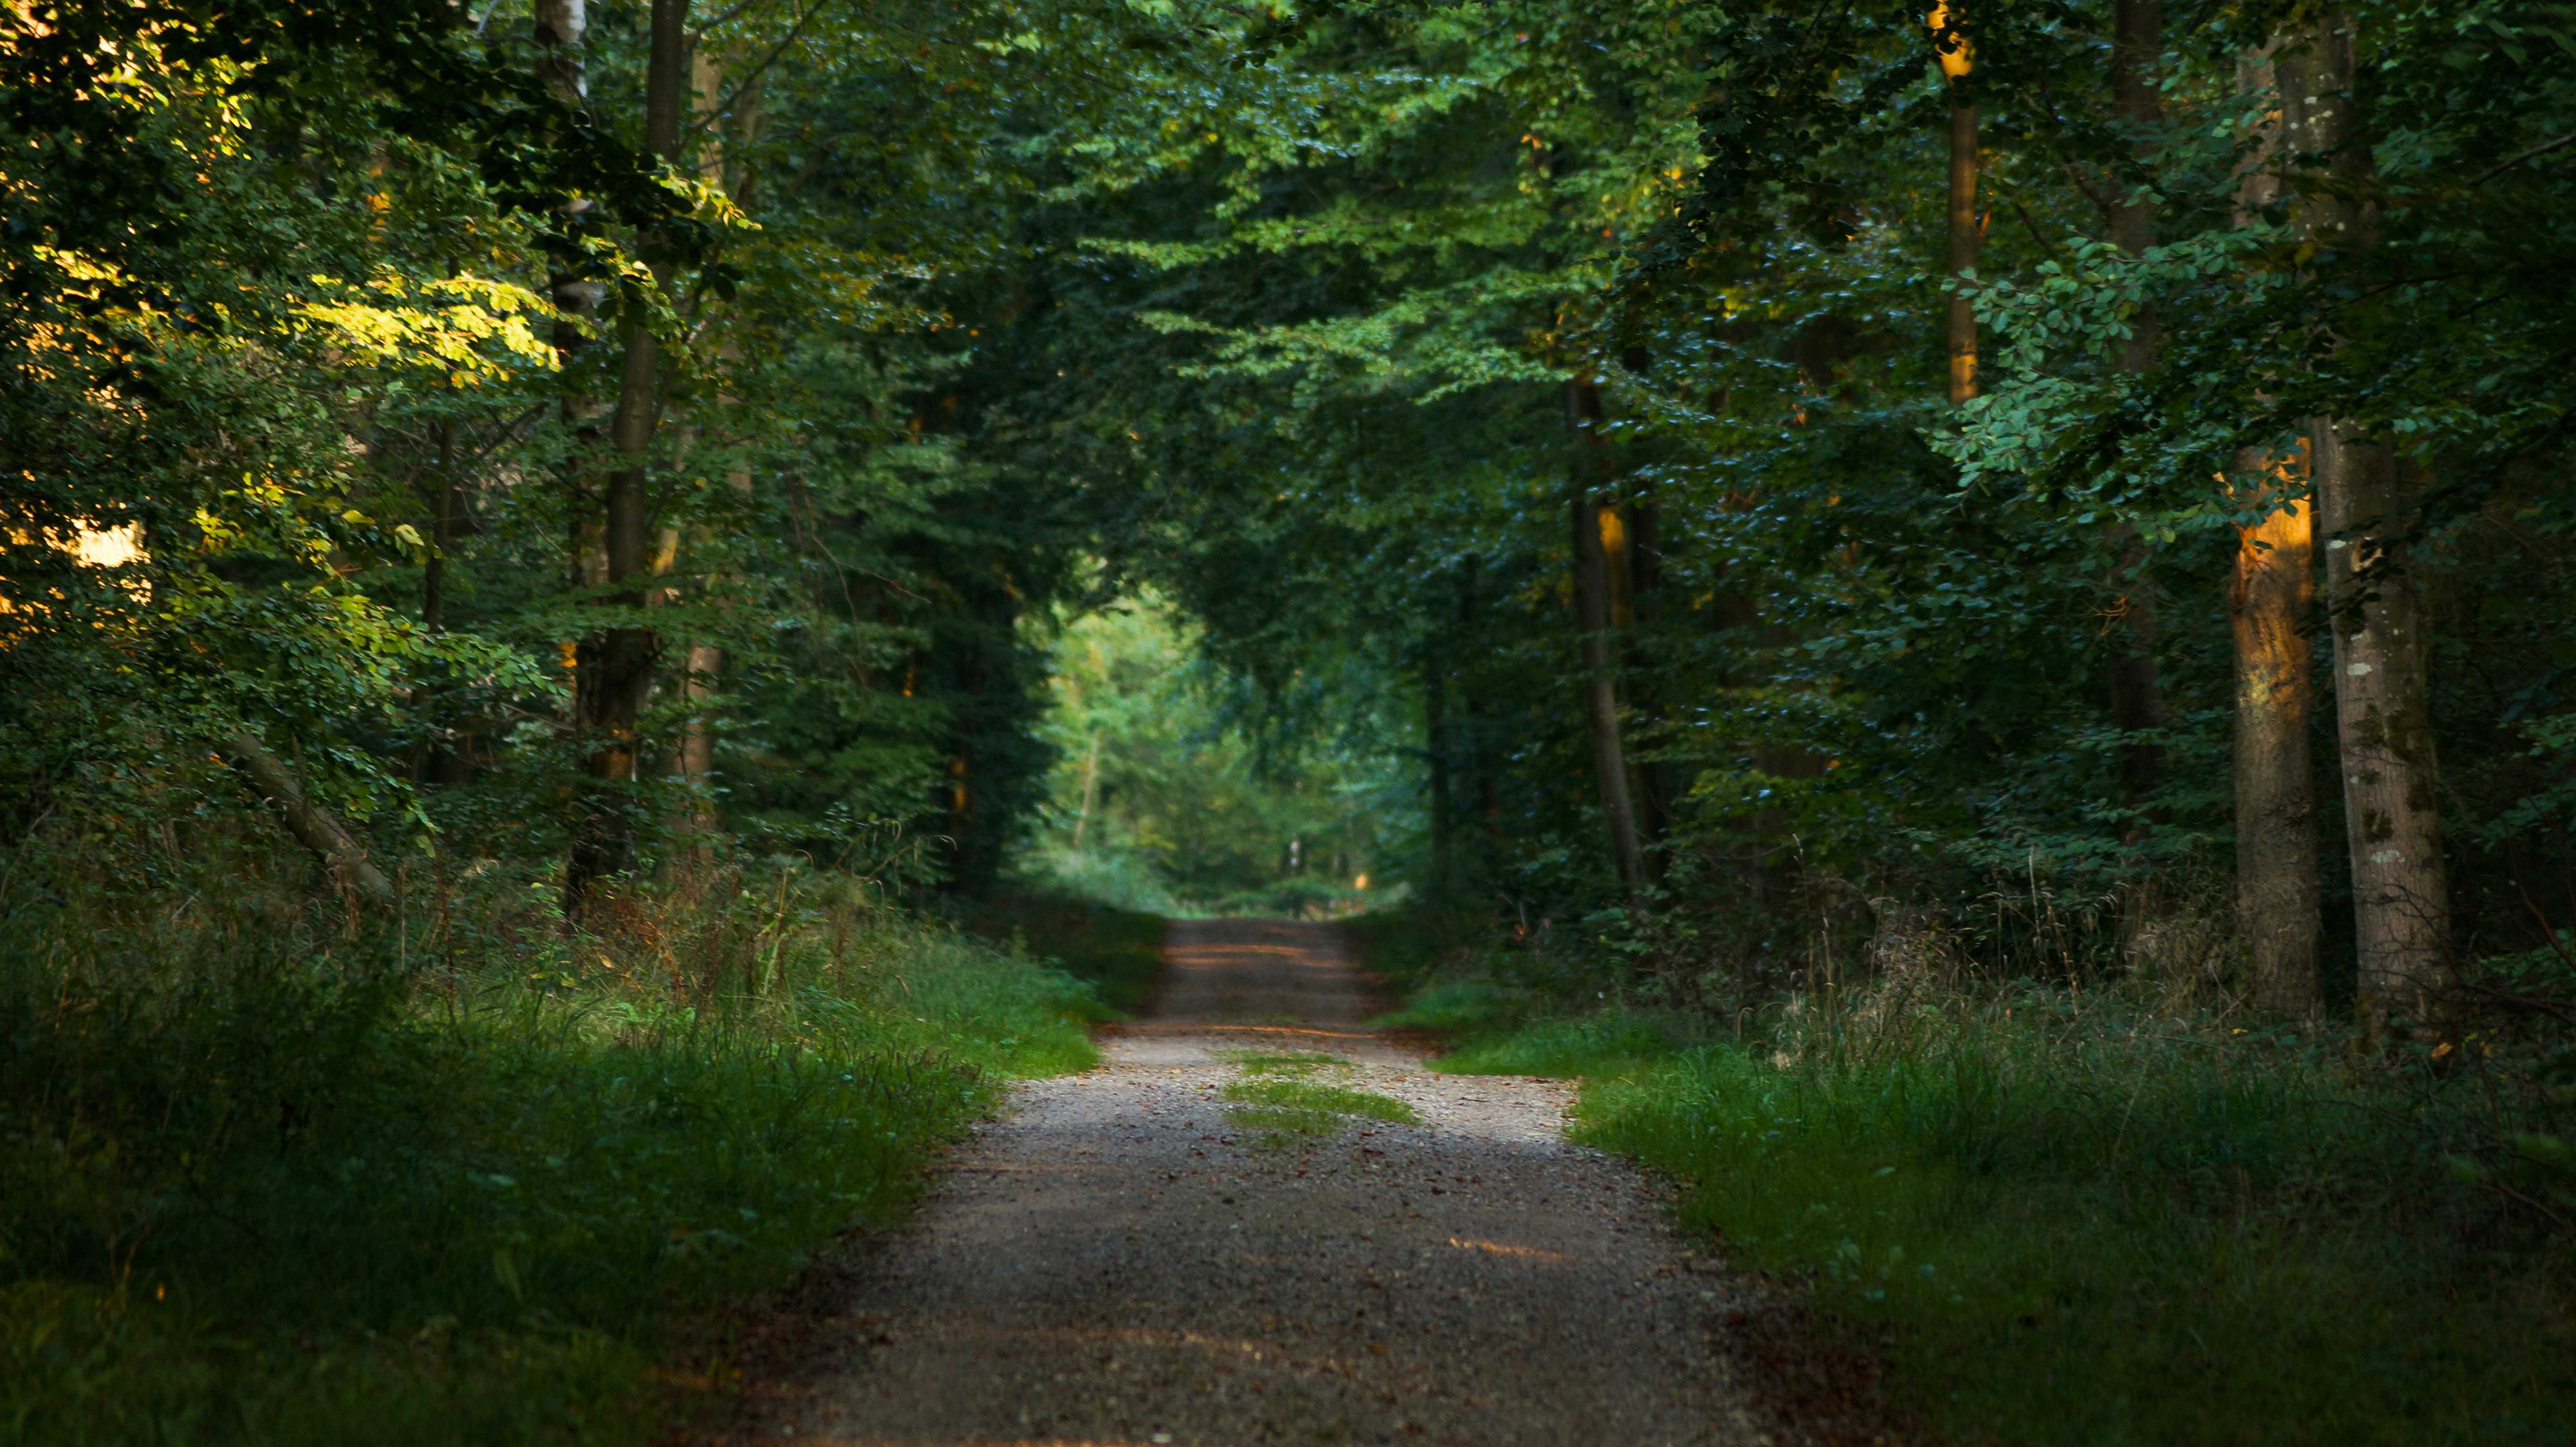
[260, 1184]
[1281, 1096]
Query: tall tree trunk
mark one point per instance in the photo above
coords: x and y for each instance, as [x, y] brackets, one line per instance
[694, 759]
[2383, 723]
[2137, 698]
[1480, 741]
[614, 667]
[1592, 615]
[436, 759]
[560, 30]
[1949, 24]
[1645, 581]
[1090, 789]
[1435, 747]
[445, 503]
[2279, 897]
[2277, 890]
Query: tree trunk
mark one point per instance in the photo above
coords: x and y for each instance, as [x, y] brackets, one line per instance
[615, 665]
[2391, 779]
[1435, 746]
[1090, 789]
[694, 759]
[1592, 614]
[1655, 784]
[1479, 736]
[329, 840]
[1950, 41]
[445, 499]
[2278, 892]
[2137, 697]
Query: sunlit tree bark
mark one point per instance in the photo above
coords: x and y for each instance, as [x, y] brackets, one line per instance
[1949, 24]
[2270, 604]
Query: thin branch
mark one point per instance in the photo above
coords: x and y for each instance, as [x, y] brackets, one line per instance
[2548, 931]
[2557, 1010]
[2544, 148]
[2076, 175]
[710, 27]
[751, 79]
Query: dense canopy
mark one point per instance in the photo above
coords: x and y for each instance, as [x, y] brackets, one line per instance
[1721, 507]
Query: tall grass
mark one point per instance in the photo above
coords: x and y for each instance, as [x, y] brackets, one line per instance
[2099, 1213]
[270, 1174]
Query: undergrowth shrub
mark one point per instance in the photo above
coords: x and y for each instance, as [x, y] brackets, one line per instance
[271, 1173]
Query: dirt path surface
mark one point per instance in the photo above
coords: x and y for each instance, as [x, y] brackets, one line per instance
[1119, 1261]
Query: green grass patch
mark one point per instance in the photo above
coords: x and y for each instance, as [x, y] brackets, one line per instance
[1609, 1043]
[2078, 1223]
[1307, 1108]
[265, 1178]
[1119, 952]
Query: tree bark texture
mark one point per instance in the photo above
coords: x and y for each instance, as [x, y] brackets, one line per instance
[314, 827]
[2279, 895]
[1966, 239]
[2269, 602]
[2383, 723]
[1592, 616]
[2137, 695]
[2391, 778]
[1949, 24]
[1655, 783]
[615, 665]
[694, 758]
[1435, 748]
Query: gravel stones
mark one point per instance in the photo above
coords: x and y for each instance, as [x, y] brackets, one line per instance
[1116, 1262]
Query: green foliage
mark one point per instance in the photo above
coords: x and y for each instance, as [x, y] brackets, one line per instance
[1158, 803]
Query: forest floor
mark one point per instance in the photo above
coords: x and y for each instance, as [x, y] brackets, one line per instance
[1259, 1220]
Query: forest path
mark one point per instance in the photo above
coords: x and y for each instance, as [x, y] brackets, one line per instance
[1117, 1261]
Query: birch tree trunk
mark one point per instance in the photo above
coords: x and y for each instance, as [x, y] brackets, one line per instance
[2383, 725]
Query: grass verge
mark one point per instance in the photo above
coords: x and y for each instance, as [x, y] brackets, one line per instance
[1118, 952]
[268, 1175]
[2066, 1216]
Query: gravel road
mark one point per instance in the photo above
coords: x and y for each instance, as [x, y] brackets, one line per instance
[1118, 1262]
